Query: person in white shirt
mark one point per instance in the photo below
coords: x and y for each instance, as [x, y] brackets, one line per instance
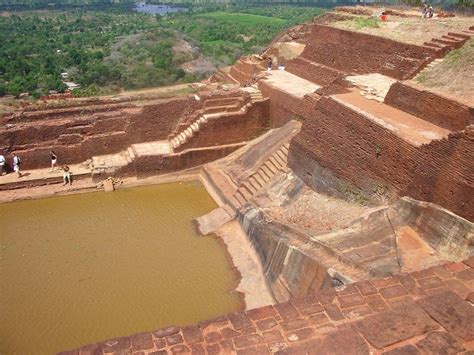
[16, 164]
[2, 165]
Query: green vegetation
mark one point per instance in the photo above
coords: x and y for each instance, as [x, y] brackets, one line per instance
[107, 51]
[362, 22]
[454, 74]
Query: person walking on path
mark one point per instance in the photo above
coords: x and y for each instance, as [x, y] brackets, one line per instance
[16, 165]
[54, 159]
[66, 175]
[2, 165]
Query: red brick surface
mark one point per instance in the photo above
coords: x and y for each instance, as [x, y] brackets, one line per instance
[340, 141]
[440, 323]
[443, 111]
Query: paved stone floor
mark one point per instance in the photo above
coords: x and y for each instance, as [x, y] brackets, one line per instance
[43, 174]
[412, 129]
[428, 311]
[290, 83]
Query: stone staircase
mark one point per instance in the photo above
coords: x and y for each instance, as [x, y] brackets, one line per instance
[430, 66]
[452, 40]
[210, 112]
[275, 164]
[189, 132]
[254, 92]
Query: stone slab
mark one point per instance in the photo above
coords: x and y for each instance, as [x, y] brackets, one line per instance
[452, 312]
[395, 325]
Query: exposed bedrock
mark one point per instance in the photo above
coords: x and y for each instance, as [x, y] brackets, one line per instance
[288, 270]
[407, 236]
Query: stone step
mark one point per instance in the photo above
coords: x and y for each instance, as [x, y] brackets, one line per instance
[450, 38]
[233, 200]
[277, 161]
[245, 192]
[249, 187]
[207, 116]
[188, 133]
[202, 119]
[258, 177]
[286, 146]
[127, 156]
[262, 175]
[270, 174]
[459, 35]
[240, 198]
[131, 152]
[274, 169]
[283, 152]
[281, 160]
[255, 183]
[195, 126]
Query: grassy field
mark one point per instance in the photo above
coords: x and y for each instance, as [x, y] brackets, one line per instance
[244, 19]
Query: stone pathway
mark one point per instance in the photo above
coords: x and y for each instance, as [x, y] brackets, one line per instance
[290, 83]
[428, 311]
[374, 86]
[412, 129]
[35, 175]
[152, 148]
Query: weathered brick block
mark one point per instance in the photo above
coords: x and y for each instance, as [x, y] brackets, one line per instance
[366, 288]
[430, 282]
[246, 341]
[287, 311]
[261, 313]
[351, 300]
[192, 334]
[395, 325]
[239, 320]
[393, 291]
[333, 312]
[452, 312]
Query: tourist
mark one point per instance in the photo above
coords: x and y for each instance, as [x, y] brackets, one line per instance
[2, 165]
[66, 175]
[270, 62]
[16, 165]
[430, 12]
[54, 159]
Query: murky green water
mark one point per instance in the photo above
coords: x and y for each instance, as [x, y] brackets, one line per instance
[84, 268]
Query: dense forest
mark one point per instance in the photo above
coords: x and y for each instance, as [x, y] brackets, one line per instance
[108, 51]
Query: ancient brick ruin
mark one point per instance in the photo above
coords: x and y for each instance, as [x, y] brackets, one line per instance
[340, 170]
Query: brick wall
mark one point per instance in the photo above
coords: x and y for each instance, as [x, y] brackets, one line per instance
[443, 111]
[244, 71]
[317, 73]
[362, 53]
[285, 107]
[231, 128]
[155, 165]
[77, 134]
[357, 150]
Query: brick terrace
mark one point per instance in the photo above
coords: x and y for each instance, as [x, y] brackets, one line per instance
[428, 311]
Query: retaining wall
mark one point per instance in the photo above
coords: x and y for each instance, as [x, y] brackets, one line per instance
[361, 53]
[441, 110]
[344, 145]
